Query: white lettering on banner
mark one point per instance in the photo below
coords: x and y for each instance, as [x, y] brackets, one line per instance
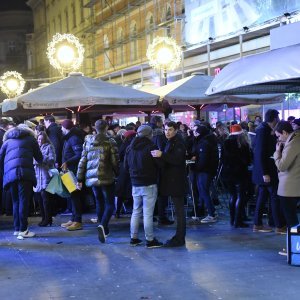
[298, 246]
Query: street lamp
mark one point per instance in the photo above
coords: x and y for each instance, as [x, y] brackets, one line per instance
[65, 53]
[12, 84]
[164, 55]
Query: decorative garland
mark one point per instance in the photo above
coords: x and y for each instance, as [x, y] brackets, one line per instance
[4, 83]
[67, 40]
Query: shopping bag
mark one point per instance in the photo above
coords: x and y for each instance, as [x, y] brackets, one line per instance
[70, 181]
[55, 186]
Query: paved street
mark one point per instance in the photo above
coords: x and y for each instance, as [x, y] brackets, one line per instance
[218, 263]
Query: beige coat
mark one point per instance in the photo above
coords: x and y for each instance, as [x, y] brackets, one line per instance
[288, 164]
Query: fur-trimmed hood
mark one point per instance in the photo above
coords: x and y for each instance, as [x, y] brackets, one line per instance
[18, 132]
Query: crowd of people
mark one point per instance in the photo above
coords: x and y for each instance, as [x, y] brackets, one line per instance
[148, 165]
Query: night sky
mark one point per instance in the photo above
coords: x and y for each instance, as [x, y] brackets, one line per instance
[13, 5]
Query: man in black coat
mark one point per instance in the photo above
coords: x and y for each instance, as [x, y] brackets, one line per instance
[16, 164]
[160, 140]
[173, 179]
[71, 154]
[265, 173]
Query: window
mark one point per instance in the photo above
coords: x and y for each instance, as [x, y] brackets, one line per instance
[120, 49]
[149, 29]
[67, 20]
[59, 23]
[81, 11]
[11, 46]
[168, 12]
[54, 26]
[106, 52]
[133, 43]
[73, 14]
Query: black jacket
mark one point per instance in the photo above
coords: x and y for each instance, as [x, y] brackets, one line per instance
[263, 163]
[16, 156]
[173, 175]
[205, 148]
[56, 137]
[143, 168]
[72, 148]
[235, 160]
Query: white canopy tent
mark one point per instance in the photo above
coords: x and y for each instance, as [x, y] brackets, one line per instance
[78, 91]
[191, 91]
[275, 71]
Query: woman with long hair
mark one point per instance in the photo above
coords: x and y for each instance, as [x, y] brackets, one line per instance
[236, 159]
[43, 177]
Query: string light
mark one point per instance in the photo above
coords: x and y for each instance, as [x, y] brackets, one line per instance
[65, 53]
[12, 83]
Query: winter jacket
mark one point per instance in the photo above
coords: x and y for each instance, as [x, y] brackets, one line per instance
[72, 149]
[173, 174]
[42, 169]
[263, 162]
[205, 148]
[99, 162]
[288, 164]
[235, 160]
[123, 186]
[56, 137]
[143, 168]
[16, 156]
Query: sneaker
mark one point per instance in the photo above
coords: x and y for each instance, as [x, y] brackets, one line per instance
[75, 226]
[101, 234]
[281, 230]
[209, 219]
[94, 220]
[262, 228]
[173, 242]
[135, 242]
[153, 244]
[26, 234]
[65, 225]
[283, 252]
[16, 233]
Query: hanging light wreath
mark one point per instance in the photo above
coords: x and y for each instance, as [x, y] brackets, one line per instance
[164, 53]
[12, 83]
[65, 53]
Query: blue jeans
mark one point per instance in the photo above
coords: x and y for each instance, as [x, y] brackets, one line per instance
[144, 198]
[105, 203]
[263, 192]
[21, 194]
[203, 183]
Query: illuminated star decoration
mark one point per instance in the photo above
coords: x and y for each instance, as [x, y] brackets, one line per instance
[12, 83]
[164, 53]
[65, 53]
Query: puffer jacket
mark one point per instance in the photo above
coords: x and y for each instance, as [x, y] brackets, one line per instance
[16, 156]
[72, 148]
[99, 163]
[42, 169]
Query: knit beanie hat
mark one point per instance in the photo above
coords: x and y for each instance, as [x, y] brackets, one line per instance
[236, 129]
[67, 123]
[145, 131]
[129, 133]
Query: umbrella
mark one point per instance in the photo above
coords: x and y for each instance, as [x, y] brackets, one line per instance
[191, 91]
[275, 71]
[83, 93]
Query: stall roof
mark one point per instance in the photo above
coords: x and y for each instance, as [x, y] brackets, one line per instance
[275, 71]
